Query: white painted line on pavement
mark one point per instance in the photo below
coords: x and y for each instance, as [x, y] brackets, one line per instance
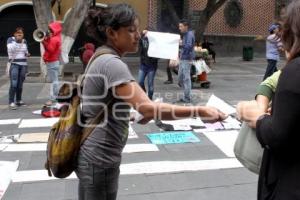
[9, 121]
[224, 140]
[36, 123]
[129, 148]
[7, 171]
[143, 168]
[26, 147]
[137, 148]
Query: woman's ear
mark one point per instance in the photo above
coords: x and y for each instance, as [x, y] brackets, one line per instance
[111, 34]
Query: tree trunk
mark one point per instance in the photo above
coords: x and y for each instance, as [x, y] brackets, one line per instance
[172, 11]
[42, 13]
[202, 24]
[72, 25]
[43, 16]
[211, 7]
[74, 21]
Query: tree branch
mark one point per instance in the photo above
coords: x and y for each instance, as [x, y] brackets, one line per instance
[212, 6]
[52, 3]
[173, 13]
[217, 6]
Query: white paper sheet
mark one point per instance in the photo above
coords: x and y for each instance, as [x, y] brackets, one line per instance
[163, 45]
[189, 121]
[221, 105]
[231, 123]
[132, 133]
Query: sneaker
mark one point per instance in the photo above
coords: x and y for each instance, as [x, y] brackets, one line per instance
[183, 101]
[21, 103]
[12, 106]
[168, 82]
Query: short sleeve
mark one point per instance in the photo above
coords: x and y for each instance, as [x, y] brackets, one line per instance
[116, 72]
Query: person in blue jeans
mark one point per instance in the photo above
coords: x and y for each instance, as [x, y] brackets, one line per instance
[17, 53]
[148, 66]
[186, 56]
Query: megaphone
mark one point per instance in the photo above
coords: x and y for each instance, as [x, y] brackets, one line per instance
[39, 35]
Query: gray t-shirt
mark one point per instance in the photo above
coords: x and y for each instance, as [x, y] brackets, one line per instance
[105, 144]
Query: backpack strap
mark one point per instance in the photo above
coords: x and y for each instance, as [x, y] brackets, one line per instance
[95, 55]
[86, 131]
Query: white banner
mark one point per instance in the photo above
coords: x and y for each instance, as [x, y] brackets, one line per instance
[163, 45]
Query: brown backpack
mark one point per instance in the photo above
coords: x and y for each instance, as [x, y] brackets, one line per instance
[67, 135]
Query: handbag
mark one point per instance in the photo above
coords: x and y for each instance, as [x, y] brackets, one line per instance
[174, 63]
[247, 149]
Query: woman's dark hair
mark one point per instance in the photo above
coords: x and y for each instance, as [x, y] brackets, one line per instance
[291, 30]
[184, 22]
[114, 16]
[19, 29]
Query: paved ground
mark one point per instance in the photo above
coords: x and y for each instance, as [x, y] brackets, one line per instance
[189, 171]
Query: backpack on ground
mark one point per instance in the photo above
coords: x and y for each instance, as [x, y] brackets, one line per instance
[67, 134]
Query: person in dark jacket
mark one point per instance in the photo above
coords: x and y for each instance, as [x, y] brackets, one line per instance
[278, 133]
[52, 45]
[186, 56]
[148, 66]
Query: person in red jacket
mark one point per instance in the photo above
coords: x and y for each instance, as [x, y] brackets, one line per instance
[88, 52]
[52, 44]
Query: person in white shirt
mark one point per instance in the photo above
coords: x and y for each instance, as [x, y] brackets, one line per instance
[17, 51]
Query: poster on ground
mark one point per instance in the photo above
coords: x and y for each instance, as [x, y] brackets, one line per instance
[173, 137]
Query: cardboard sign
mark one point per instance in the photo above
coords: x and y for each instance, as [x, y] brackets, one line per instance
[173, 137]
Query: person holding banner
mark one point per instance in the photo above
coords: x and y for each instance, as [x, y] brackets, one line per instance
[148, 66]
[186, 56]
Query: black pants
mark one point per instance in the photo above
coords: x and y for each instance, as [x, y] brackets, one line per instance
[95, 182]
[271, 68]
[169, 73]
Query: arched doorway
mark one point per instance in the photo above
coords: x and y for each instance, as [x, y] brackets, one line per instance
[18, 16]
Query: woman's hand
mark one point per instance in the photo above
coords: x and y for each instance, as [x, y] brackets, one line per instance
[211, 115]
[249, 111]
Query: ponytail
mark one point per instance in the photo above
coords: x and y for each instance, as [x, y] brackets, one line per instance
[114, 16]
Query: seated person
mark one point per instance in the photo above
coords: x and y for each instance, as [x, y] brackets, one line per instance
[207, 45]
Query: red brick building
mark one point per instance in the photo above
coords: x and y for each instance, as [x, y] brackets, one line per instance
[256, 18]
